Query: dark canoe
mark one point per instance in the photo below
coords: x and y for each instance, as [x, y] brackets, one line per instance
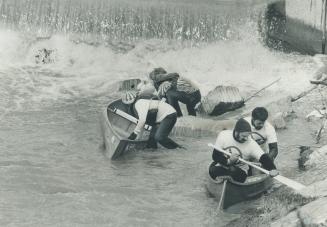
[115, 131]
[230, 192]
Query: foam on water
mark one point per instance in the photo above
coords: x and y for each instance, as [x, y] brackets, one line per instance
[84, 70]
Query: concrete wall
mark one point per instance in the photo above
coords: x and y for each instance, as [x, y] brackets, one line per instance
[295, 25]
[307, 11]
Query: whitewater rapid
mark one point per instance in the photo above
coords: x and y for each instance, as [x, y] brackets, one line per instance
[53, 170]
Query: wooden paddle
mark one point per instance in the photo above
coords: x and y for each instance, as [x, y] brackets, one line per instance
[284, 180]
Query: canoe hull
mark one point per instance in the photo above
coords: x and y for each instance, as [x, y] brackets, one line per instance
[238, 192]
[115, 130]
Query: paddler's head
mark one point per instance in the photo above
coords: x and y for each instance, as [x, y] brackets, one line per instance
[129, 97]
[155, 72]
[242, 131]
[259, 116]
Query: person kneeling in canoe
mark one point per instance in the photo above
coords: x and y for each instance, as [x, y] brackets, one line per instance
[263, 132]
[240, 144]
[182, 90]
[156, 113]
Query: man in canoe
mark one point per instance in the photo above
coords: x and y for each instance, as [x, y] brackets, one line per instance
[240, 144]
[158, 114]
[263, 132]
[180, 90]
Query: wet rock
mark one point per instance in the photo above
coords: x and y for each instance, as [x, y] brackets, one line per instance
[316, 114]
[291, 220]
[282, 106]
[317, 158]
[314, 213]
[278, 121]
[305, 152]
[311, 214]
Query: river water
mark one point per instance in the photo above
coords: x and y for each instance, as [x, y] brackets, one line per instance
[53, 168]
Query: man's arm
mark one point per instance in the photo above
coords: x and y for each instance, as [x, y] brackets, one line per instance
[266, 162]
[257, 153]
[273, 150]
[219, 157]
[142, 107]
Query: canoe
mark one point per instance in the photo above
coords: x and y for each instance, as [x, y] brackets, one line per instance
[221, 100]
[117, 125]
[230, 192]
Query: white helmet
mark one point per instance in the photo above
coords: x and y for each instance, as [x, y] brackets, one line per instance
[129, 97]
[163, 88]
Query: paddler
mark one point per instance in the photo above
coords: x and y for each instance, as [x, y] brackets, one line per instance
[156, 113]
[181, 90]
[246, 148]
[263, 132]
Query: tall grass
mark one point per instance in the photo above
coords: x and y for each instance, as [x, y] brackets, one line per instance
[119, 20]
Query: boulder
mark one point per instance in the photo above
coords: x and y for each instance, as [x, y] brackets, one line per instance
[314, 213]
[220, 100]
[282, 106]
[305, 152]
[316, 114]
[311, 214]
[291, 220]
[278, 121]
[318, 157]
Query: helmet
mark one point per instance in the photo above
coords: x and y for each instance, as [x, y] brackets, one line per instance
[163, 88]
[129, 97]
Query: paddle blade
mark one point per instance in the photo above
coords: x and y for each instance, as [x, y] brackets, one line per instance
[290, 183]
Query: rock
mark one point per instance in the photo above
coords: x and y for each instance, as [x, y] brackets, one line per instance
[314, 213]
[283, 106]
[316, 114]
[318, 157]
[291, 220]
[305, 152]
[278, 121]
[311, 214]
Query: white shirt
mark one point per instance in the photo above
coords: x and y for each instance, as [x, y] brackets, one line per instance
[249, 150]
[142, 106]
[267, 131]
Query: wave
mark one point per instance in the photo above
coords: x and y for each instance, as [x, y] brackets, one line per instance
[86, 66]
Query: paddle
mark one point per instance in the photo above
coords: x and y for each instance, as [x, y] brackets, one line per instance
[128, 117]
[284, 180]
[250, 97]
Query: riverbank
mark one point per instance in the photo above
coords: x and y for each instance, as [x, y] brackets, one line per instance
[283, 201]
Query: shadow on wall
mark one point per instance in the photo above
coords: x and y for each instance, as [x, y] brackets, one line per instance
[284, 33]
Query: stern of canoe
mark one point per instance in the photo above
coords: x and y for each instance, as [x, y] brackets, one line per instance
[116, 129]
